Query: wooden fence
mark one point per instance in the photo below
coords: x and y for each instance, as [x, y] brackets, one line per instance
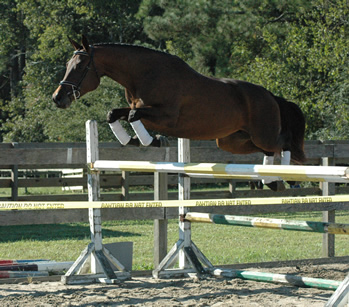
[34, 156]
[38, 156]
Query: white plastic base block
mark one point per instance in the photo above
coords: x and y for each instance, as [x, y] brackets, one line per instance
[120, 132]
[144, 137]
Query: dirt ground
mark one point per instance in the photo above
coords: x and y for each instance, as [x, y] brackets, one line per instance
[147, 291]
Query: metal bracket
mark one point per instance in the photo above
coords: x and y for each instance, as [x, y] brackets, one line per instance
[90, 169]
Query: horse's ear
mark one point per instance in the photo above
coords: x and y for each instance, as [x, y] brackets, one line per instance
[85, 43]
[76, 45]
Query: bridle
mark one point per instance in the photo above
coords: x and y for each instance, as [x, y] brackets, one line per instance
[76, 86]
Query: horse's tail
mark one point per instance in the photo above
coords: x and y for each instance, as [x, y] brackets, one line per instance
[293, 127]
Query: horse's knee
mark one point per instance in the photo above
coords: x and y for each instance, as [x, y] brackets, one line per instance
[116, 114]
[134, 115]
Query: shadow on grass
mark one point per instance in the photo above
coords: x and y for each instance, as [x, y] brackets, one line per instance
[51, 232]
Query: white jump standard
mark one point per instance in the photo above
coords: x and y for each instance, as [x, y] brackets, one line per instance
[101, 258]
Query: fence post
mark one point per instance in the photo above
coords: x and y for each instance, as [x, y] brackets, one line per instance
[160, 226]
[14, 179]
[14, 182]
[232, 187]
[125, 176]
[328, 240]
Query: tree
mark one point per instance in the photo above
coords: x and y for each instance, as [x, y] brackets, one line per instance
[33, 117]
[311, 66]
[13, 45]
[211, 33]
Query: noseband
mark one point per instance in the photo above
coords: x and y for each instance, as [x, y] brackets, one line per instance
[76, 86]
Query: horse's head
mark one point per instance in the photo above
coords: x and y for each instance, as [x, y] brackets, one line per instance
[80, 77]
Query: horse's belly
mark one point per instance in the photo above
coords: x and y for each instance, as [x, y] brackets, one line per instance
[196, 128]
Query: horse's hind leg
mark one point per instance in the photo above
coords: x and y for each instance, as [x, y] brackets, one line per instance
[272, 185]
[286, 160]
[241, 143]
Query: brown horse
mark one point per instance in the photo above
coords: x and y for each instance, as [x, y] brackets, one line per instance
[168, 96]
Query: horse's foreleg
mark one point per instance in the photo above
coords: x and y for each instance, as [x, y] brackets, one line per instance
[113, 118]
[116, 114]
[120, 133]
[124, 138]
[142, 135]
[145, 138]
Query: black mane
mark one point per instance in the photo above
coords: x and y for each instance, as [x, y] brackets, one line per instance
[130, 46]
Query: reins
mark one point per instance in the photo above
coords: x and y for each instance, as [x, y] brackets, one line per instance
[76, 87]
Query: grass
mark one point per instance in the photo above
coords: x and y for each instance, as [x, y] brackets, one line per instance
[221, 244]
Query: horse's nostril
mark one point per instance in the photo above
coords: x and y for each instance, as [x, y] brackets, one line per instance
[55, 98]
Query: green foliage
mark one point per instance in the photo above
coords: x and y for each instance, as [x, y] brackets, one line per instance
[32, 116]
[311, 66]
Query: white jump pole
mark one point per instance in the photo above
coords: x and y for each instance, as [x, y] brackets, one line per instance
[233, 171]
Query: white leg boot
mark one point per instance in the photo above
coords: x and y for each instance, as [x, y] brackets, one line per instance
[120, 132]
[285, 158]
[268, 160]
[144, 137]
[273, 185]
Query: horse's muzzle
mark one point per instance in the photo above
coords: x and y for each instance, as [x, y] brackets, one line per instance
[61, 100]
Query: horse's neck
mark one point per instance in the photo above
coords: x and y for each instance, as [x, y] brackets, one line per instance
[122, 64]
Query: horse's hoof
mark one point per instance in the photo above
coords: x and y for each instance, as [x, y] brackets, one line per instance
[164, 142]
[133, 115]
[134, 141]
[259, 185]
[160, 141]
[276, 186]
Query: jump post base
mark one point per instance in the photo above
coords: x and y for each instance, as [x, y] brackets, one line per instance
[104, 258]
[194, 256]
